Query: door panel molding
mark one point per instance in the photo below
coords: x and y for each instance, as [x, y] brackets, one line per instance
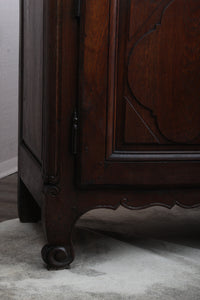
[121, 141]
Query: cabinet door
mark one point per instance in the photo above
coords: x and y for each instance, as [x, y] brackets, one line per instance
[140, 93]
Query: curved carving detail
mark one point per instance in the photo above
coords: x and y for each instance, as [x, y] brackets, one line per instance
[143, 11]
[152, 198]
[133, 206]
[130, 205]
[169, 82]
[51, 190]
[57, 257]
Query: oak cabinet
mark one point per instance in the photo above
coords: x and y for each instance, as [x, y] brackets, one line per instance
[109, 110]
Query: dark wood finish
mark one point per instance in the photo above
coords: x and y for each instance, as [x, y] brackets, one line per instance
[120, 90]
[33, 75]
[142, 100]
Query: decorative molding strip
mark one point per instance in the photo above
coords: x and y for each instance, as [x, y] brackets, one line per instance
[8, 167]
[52, 92]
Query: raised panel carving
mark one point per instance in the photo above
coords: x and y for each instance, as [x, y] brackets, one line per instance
[156, 70]
[140, 13]
[163, 72]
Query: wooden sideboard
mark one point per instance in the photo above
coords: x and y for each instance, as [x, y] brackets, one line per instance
[109, 111]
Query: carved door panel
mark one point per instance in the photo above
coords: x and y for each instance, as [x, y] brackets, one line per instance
[140, 93]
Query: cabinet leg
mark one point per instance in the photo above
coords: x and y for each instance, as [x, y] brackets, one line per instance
[28, 209]
[58, 222]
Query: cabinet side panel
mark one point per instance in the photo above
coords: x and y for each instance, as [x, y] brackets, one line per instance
[32, 91]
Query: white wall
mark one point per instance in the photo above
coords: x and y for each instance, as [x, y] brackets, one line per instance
[9, 41]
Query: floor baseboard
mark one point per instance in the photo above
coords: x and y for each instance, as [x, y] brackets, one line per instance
[8, 167]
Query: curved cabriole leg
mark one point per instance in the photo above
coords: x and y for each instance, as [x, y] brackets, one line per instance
[28, 209]
[58, 219]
